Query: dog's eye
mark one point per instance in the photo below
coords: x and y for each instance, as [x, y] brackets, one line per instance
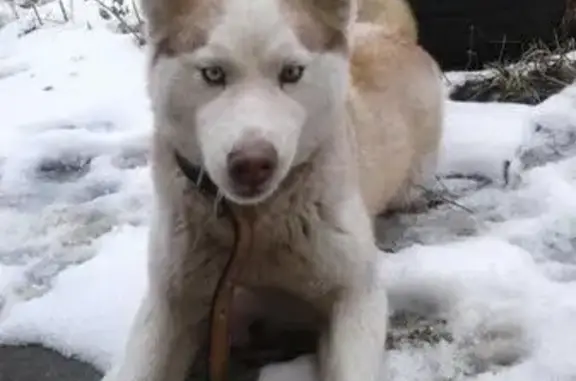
[291, 74]
[214, 75]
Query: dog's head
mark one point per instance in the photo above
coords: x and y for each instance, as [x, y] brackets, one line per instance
[248, 88]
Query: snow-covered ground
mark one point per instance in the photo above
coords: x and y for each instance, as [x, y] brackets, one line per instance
[498, 264]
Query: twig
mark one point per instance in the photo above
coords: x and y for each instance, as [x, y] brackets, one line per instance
[470, 51]
[483, 180]
[63, 10]
[71, 8]
[502, 49]
[439, 197]
[54, 21]
[136, 12]
[139, 40]
[35, 9]
[14, 9]
[444, 187]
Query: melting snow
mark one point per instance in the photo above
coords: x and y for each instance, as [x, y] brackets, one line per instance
[499, 268]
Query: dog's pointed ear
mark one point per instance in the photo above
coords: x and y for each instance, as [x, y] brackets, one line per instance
[153, 14]
[160, 14]
[337, 13]
[150, 8]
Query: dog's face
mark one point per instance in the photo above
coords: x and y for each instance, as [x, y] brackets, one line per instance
[248, 88]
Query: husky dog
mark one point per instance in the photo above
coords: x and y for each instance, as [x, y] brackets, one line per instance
[317, 115]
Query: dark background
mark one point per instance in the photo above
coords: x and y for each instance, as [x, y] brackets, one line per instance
[463, 34]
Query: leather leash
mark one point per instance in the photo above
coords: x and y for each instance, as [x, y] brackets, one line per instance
[223, 297]
[243, 222]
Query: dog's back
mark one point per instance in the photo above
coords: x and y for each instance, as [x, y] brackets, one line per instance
[395, 104]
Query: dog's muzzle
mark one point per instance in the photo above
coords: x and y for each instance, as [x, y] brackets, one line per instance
[251, 166]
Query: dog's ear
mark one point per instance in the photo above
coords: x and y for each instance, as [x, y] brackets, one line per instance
[147, 6]
[156, 12]
[152, 10]
[336, 13]
[161, 15]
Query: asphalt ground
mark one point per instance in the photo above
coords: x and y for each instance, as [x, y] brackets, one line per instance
[36, 363]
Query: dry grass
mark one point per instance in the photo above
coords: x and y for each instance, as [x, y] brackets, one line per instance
[541, 72]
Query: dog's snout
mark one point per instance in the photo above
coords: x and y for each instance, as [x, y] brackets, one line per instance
[252, 165]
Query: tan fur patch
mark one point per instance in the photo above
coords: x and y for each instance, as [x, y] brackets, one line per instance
[370, 57]
[394, 16]
[319, 28]
[181, 25]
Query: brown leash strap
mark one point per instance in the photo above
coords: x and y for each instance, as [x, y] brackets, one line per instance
[223, 296]
[243, 220]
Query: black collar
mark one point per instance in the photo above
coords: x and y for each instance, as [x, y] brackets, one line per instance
[200, 179]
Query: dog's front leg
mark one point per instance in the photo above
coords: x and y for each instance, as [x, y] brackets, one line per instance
[354, 344]
[352, 348]
[160, 345]
[169, 327]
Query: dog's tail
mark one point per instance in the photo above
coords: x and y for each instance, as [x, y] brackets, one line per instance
[394, 15]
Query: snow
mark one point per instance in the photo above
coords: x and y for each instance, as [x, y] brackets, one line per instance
[468, 125]
[76, 312]
[499, 267]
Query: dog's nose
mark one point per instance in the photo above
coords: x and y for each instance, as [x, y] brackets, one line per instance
[253, 164]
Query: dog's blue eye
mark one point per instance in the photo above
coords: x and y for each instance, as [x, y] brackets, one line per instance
[290, 74]
[214, 75]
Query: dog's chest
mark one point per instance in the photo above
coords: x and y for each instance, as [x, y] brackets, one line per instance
[284, 252]
[282, 238]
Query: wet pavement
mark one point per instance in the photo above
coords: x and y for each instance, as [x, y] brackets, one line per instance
[36, 363]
